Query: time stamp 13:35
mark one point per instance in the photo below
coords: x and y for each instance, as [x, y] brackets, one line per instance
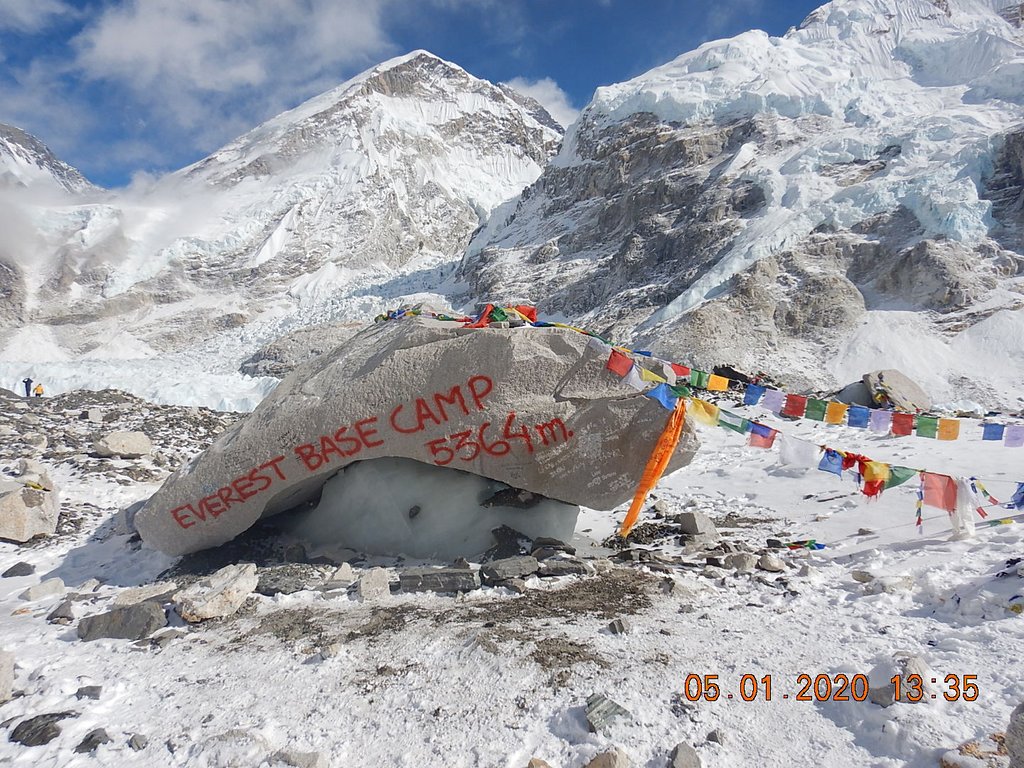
[836, 687]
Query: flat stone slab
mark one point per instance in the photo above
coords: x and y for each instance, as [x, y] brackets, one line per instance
[534, 408]
[132, 622]
[439, 580]
[509, 568]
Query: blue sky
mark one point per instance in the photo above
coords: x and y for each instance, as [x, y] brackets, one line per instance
[120, 87]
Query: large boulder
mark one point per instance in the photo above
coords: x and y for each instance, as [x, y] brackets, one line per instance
[534, 408]
[123, 445]
[890, 387]
[29, 505]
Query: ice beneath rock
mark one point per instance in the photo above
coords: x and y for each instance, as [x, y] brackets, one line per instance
[396, 506]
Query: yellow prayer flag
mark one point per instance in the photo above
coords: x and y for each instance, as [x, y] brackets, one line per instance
[835, 413]
[876, 470]
[717, 383]
[949, 429]
[650, 375]
[704, 412]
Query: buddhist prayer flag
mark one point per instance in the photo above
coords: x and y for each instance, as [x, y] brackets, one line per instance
[795, 406]
[939, 491]
[876, 474]
[619, 363]
[680, 370]
[680, 390]
[656, 464]
[880, 422]
[1017, 500]
[902, 424]
[832, 462]
[949, 429]
[704, 412]
[699, 379]
[733, 421]
[753, 394]
[835, 413]
[1014, 436]
[669, 374]
[927, 426]
[796, 452]
[650, 375]
[773, 400]
[717, 383]
[858, 416]
[664, 395]
[899, 475]
[761, 436]
[634, 379]
[816, 409]
[992, 431]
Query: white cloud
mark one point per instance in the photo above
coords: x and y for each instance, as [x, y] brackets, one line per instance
[550, 96]
[31, 15]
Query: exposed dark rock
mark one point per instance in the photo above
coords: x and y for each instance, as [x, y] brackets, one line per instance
[133, 622]
[39, 730]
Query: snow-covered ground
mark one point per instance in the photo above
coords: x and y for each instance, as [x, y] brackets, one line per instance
[493, 678]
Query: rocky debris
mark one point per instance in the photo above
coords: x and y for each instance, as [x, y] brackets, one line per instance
[862, 577]
[717, 736]
[236, 747]
[89, 692]
[123, 445]
[545, 547]
[615, 758]
[27, 508]
[132, 622]
[1015, 737]
[50, 588]
[508, 568]
[64, 613]
[374, 585]
[536, 762]
[883, 690]
[159, 592]
[87, 587]
[619, 627]
[92, 740]
[290, 578]
[219, 594]
[771, 563]
[896, 389]
[39, 730]
[985, 752]
[744, 562]
[684, 756]
[298, 759]
[19, 569]
[137, 742]
[580, 422]
[601, 712]
[6, 676]
[508, 543]
[564, 566]
[515, 585]
[438, 580]
[341, 578]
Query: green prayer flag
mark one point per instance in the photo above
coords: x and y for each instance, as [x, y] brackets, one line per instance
[498, 315]
[680, 390]
[733, 421]
[899, 475]
[815, 409]
[927, 426]
[699, 379]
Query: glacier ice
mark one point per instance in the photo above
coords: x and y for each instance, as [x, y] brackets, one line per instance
[394, 506]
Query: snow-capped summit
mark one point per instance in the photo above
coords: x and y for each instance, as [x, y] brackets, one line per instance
[315, 215]
[25, 162]
[812, 205]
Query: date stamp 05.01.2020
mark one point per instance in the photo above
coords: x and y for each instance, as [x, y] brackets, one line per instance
[837, 687]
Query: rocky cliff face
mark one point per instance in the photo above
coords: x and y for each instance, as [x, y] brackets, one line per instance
[25, 162]
[769, 202]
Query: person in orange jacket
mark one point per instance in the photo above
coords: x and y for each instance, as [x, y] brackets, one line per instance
[38, 391]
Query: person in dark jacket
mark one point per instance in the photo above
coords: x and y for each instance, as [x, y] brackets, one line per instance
[28, 386]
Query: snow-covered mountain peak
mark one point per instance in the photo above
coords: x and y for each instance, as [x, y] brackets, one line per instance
[26, 162]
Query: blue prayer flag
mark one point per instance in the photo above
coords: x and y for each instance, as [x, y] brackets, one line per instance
[832, 462]
[858, 416]
[1017, 500]
[761, 430]
[992, 432]
[753, 394]
[664, 395]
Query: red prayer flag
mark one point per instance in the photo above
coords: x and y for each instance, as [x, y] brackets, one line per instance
[796, 406]
[619, 363]
[762, 437]
[680, 370]
[940, 491]
[902, 424]
[485, 318]
[530, 313]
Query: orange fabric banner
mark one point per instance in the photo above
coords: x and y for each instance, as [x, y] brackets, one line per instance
[656, 464]
[836, 412]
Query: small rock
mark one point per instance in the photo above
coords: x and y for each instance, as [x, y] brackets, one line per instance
[299, 759]
[559, 566]
[508, 568]
[862, 576]
[602, 565]
[132, 622]
[775, 544]
[717, 736]
[890, 585]
[6, 676]
[742, 562]
[219, 594]
[373, 585]
[865, 531]
[138, 742]
[414, 510]
[602, 711]
[63, 613]
[438, 580]
[616, 758]
[89, 692]
[88, 586]
[92, 740]
[696, 524]
[669, 586]
[619, 627]
[536, 762]
[516, 585]
[805, 571]
[161, 592]
[123, 445]
[710, 572]
[49, 588]
[38, 730]
[987, 752]
[1015, 737]
[662, 508]
[904, 664]
[331, 651]
[237, 747]
[684, 756]
[18, 569]
[771, 563]
[164, 639]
